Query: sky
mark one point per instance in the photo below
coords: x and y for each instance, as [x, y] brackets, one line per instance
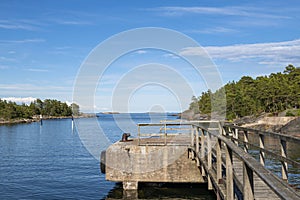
[45, 44]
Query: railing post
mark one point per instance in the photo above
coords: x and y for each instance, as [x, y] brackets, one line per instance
[246, 140]
[192, 135]
[197, 140]
[139, 135]
[284, 165]
[229, 174]
[235, 136]
[261, 152]
[165, 134]
[202, 151]
[221, 128]
[197, 146]
[219, 161]
[209, 159]
[248, 189]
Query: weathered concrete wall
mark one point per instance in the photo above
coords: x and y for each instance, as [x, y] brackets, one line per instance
[128, 162]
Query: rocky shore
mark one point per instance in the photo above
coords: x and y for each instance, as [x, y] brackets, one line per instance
[280, 124]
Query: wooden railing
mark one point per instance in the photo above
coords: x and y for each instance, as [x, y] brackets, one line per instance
[166, 130]
[235, 132]
[214, 153]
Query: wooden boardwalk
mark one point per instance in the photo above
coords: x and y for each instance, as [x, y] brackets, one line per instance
[232, 172]
[228, 167]
[261, 189]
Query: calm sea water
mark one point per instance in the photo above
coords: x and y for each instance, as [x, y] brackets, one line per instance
[50, 162]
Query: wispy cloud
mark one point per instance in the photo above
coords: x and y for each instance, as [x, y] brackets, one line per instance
[37, 70]
[170, 55]
[33, 40]
[72, 22]
[29, 25]
[227, 11]
[31, 87]
[264, 53]
[6, 59]
[214, 30]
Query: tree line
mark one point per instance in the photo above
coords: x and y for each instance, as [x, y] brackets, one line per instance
[274, 93]
[49, 107]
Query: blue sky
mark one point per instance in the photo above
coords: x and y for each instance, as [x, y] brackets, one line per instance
[44, 43]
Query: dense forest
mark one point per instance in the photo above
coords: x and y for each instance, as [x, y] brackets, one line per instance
[54, 108]
[265, 94]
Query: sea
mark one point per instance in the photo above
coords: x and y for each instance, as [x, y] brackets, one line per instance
[55, 160]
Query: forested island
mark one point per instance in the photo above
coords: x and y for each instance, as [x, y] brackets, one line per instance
[272, 94]
[49, 108]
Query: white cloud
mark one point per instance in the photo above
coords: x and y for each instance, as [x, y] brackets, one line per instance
[265, 53]
[20, 100]
[34, 40]
[214, 30]
[242, 11]
[20, 24]
[170, 55]
[37, 70]
[72, 22]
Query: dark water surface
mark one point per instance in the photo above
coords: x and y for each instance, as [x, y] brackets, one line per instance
[50, 162]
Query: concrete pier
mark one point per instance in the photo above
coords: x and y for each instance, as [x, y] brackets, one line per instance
[131, 163]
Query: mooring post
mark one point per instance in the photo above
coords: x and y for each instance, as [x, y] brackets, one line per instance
[261, 151]
[229, 174]
[284, 165]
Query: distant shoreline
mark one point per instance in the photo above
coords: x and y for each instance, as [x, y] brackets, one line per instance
[27, 121]
[109, 113]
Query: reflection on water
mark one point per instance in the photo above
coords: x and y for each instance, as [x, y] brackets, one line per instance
[163, 191]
